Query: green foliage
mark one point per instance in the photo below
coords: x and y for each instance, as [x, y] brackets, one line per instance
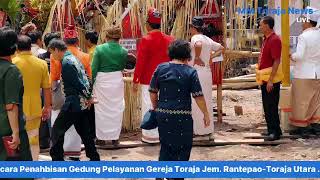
[11, 7]
[4, 4]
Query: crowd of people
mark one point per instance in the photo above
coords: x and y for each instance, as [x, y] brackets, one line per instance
[72, 97]
[79, 97]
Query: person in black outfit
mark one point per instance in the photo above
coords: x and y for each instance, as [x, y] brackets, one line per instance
[78, 101]
[45, 126]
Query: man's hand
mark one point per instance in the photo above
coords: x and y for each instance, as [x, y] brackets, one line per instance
[46, 113]
[135, 87]
[14, 144]
[198, 61]
[89, 102]
[269, 86]
[127, 72]
[206, 120]
[215, 54]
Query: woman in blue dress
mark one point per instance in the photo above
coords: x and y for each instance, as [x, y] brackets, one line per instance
[170, 89]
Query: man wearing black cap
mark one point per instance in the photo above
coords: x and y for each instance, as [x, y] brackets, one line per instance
[202, 49]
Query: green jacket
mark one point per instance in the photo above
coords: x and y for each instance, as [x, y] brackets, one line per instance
[108, 57]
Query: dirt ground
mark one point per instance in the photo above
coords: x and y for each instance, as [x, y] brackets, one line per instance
[233, 127]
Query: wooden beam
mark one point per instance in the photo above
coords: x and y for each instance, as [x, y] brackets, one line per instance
[259, 136]
[238, 86]
[240, 80]
[207, 143]
[285, 38]
[238, 142]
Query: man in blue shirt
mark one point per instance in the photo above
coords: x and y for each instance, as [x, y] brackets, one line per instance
[78, 100]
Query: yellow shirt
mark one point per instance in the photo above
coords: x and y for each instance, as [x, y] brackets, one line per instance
[35, 76]
[91, 51]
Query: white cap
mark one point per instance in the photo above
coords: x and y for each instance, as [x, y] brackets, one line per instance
[315, 16]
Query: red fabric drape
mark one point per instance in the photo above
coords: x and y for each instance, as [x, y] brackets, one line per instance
[209, 9]
[217, 73]
[127, 32]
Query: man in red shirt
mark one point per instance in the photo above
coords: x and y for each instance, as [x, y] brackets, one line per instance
[270, 59]
[152, 51]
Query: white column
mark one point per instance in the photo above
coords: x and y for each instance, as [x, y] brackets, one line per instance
[277, 19]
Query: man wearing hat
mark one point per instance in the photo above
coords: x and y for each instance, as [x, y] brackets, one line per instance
[202, 48]
[72, 143]
[108, 62]
[152, 51]
[306, 83]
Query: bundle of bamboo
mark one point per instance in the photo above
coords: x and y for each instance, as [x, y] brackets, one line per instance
[132, 112]
[241, 27]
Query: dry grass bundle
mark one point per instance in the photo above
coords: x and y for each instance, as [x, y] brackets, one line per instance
[132, 113]
[183, 19]
[240, 27]
[240, 31]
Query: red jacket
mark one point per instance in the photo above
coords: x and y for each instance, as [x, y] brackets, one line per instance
[152, 51]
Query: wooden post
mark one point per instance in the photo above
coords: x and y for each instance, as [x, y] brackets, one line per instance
[219, 102]
[285, 38]
[219, 87]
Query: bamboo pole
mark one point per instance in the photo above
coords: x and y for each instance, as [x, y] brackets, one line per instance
[285, 33]
[219, 87]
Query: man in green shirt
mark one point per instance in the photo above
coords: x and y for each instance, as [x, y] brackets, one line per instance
[12, 122]
[109, 61]
[111, 56]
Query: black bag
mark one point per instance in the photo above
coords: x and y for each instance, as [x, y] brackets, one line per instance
[149, 121]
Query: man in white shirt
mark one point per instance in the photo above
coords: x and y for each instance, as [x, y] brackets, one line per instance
[305, 97]
[36, 40]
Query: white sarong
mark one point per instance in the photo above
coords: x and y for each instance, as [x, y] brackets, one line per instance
[109, 92]
[149, 136]
[205, 77]
[72, 140]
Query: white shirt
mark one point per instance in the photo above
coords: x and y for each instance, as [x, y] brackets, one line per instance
[208, 45]
[307, 56]
[36, 50]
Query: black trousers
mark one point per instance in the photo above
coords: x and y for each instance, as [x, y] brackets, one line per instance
[44, 134]
[44, 130]
[81, 123]
[92, 122]
[270, 102]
